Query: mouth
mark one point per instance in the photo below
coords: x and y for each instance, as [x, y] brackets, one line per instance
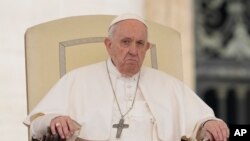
[131, 60]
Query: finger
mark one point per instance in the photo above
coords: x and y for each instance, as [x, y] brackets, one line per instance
[60, 130]
[208, 136]
[224, 131]
[213, 131]
[219, 133]
[71, 126]
[53, 127]
[65, 129]
[227, 129]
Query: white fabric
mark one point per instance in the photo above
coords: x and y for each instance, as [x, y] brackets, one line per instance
[127, 16]
[41, 123]
[140, 123]
[140, 119]
[85, 95]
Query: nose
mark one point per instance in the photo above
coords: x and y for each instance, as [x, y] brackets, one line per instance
[133, 50]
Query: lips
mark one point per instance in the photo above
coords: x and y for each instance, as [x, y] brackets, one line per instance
[131, 61]
[131, 58]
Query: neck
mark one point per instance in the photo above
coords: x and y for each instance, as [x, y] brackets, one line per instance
[127, 75]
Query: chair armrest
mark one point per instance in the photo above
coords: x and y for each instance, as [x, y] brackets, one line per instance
[50, 137]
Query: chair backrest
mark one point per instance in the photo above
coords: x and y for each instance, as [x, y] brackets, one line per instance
[53, 48]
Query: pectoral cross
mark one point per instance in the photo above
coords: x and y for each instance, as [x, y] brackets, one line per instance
[120, 127]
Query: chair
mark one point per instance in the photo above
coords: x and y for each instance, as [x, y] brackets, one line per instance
[56, 47]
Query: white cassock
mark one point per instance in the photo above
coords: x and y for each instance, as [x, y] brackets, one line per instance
[164, 110]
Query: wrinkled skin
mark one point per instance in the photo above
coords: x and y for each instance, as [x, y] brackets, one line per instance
[127, 48]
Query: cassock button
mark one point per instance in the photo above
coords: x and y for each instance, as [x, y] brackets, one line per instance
[131, 98]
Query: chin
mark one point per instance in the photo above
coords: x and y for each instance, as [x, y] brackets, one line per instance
[131, 71]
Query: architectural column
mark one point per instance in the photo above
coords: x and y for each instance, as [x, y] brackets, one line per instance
[242, 109]
[177, 14]
[222, 95]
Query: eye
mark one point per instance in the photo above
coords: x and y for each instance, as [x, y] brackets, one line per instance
[125, 42]
[140, 43]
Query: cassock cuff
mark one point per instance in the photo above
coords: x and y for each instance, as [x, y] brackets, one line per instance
[199, 126]
[38, 126]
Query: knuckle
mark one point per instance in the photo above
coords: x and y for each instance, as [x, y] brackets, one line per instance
[64, 126]
[52, 121]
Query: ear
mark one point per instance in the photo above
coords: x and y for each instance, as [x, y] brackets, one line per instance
[148, 45]
[107, 43]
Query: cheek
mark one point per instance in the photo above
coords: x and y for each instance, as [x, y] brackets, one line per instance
[113, 51]
[117, 55]
[122, 53]
[142, 54]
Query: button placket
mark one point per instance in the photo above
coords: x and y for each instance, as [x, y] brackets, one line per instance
[130, 89]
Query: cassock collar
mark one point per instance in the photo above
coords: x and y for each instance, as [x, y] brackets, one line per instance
[115, 72]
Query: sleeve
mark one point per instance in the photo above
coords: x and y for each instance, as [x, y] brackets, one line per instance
[194, 110]
[54, 102]
[38, 127]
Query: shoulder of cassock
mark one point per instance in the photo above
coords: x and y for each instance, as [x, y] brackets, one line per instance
[56, 100]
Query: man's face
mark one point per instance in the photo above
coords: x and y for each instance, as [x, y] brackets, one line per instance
[127, 46]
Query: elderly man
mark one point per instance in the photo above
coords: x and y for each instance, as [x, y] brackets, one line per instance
[118, 99]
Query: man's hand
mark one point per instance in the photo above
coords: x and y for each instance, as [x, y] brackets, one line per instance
[214, 130]
[64, 126]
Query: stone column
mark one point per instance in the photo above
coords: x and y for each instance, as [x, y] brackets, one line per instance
[222, 96]
[242, 109]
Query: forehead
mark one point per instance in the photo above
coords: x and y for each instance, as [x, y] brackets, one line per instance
[131, 22]
[131, 28]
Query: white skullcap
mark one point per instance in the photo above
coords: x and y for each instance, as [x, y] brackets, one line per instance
[127, 16]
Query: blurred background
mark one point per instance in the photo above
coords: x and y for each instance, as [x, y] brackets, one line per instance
[215, 49]
[222, 54]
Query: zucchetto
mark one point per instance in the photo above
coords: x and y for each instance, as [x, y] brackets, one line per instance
[127, 16]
